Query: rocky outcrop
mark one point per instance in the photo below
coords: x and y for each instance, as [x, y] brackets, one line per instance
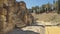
[13, 14]
[6, 11]
[1, 16]
[24, 18]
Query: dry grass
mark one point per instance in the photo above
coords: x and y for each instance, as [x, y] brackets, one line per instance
[50, 17]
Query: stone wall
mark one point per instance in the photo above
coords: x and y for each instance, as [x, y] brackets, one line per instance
[9, 8]
[6, 11]
[23, 15]
[1, 16]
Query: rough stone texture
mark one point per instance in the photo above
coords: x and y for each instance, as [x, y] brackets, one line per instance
[23, 15]
[8, 20]
[1, 16]
[1, 3]
[6, 16]
[9, 25]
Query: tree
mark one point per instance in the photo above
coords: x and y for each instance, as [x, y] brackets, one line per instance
[55, 5]
[58, 7]
[42, 8]
[35, 9]
[48, 7]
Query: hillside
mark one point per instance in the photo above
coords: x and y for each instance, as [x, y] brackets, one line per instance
[47, 18]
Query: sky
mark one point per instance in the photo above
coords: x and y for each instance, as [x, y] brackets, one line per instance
[31, 3]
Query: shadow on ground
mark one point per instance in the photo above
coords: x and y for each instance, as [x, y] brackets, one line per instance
[19, 31]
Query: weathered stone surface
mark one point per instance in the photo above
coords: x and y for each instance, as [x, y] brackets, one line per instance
[24, 17]
[1, 3]
[1, 16]
[13, 14]
[6, 11]
[5, 2]
[9, 25]
[21, 12]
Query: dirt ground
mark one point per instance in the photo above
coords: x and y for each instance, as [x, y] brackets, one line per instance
[28, 30]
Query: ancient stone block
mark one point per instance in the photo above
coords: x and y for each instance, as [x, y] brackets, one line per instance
[11, 2]
[1, 3]
[23, 15]
[7, 9]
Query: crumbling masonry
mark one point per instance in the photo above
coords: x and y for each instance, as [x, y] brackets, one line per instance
[8, 10]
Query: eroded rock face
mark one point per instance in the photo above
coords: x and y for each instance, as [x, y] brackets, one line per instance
[6, 12]
[1, 16]
[21, 12]
[9, 21]
[25, 18]
[13, 14]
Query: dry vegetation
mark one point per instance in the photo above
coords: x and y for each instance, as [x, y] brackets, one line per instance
[50, 17]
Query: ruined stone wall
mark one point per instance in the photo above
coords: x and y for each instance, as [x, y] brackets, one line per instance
[10, 9]
[24, 15]
[6, 11]
[1, 16]
[21, 12]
